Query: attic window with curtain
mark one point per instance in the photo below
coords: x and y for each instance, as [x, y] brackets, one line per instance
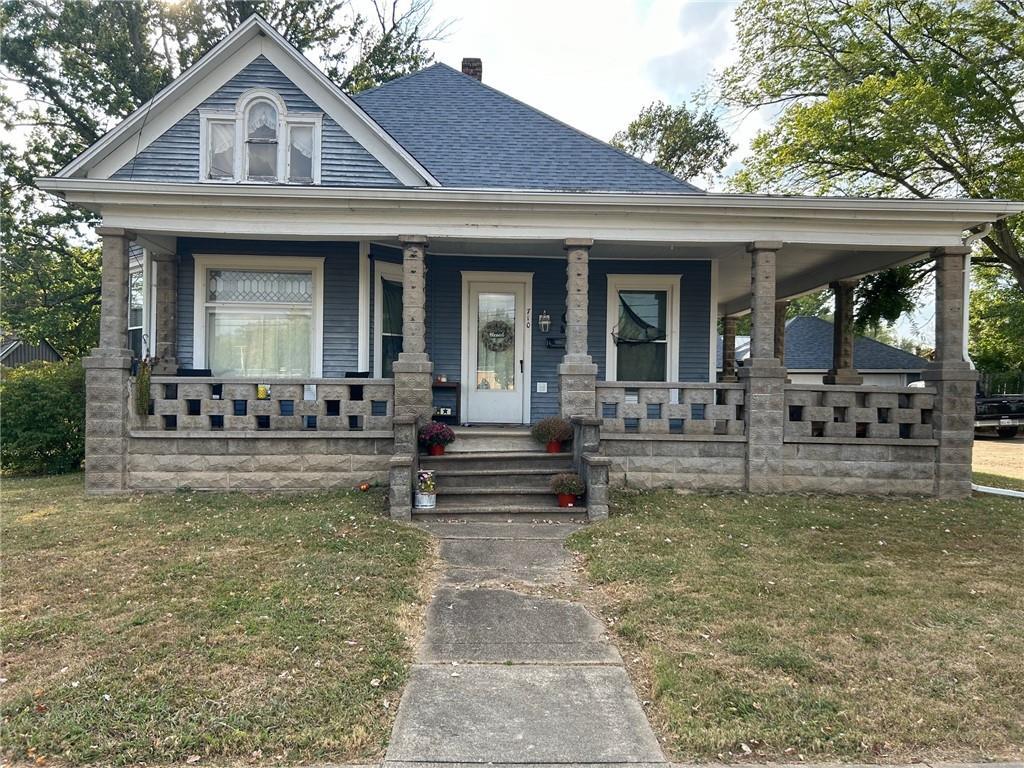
[260, 142]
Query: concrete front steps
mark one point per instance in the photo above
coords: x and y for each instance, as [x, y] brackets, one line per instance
[484, 484]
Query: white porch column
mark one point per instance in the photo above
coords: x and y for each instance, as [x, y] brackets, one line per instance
[728, 349]
[577, 374]
[953, 378]
[413, 369]
[842, 371]
[106, 372]
[764, 376]
[165, 334]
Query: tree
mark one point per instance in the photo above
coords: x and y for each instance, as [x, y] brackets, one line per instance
[997, 321]
[913, 98]
[80, 67]
[685, 143]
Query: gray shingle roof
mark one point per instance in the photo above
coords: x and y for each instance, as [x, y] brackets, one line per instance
[468, 134]
[809, 348]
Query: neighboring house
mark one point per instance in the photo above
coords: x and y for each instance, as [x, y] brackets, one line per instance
[15, 352]
[808, 355]
[293, 238]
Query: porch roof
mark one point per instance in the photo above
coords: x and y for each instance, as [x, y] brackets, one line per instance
[824, 239]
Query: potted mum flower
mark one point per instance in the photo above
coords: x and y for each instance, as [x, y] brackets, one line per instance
[552, 432]
[435, 436]
[568, 486]
[426, 489]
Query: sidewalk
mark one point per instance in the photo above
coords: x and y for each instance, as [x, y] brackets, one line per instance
[503, 676]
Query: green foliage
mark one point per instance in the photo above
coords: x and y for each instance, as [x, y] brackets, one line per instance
[83, 66]
[997, 321]
[685, 143]
[915, 98]
[43, 418]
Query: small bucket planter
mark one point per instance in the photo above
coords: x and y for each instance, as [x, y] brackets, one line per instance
[568, 487]
[435, 436]
[426, 489]
[552, 433]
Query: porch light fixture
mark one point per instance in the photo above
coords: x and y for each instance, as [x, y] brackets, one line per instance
[544, 321]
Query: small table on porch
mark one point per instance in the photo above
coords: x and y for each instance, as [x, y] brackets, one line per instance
[455, 417]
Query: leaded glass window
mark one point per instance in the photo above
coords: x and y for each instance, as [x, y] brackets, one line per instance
[250, 285]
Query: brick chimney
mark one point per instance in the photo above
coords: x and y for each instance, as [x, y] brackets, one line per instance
[474, 68]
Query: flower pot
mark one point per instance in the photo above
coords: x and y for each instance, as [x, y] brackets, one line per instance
[566, 500]
[554, 446]
[426, 500]
[435, 450]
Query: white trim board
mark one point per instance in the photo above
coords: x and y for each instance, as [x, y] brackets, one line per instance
[364, 306]
[205, 261]
[382, 270]
[672, 285]
[524, 279]
[252, 38]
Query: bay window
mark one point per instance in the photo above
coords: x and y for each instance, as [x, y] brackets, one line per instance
[259, 317]
[260, 141]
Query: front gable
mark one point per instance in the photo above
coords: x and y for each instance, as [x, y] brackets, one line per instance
[161, 141]
[175, 155]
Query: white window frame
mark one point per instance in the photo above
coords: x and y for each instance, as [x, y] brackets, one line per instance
[208, 261]
[669, 283]
[382, 270]
[147, 267]
[285, 121]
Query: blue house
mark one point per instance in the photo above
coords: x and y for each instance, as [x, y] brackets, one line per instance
[313, 274]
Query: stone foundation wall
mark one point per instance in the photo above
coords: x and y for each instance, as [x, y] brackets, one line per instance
[645, 461]
[858, 468]
[256, 463]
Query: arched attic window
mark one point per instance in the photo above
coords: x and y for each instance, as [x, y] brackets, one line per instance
[261, 141]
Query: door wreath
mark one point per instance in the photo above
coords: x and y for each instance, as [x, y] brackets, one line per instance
[498, 335]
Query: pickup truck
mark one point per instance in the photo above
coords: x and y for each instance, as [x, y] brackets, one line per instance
[1002, 413]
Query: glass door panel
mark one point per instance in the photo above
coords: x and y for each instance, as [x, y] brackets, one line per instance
[496, 342]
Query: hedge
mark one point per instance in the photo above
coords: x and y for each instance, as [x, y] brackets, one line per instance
[42, 418]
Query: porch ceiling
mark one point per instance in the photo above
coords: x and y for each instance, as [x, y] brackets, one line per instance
[800, 268]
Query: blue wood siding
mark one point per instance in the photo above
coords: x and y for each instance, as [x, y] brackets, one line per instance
[341, 293]
[444, 306]
[444, 315]
[174, 156]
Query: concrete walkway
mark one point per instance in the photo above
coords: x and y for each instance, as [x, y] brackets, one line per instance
[505, 674]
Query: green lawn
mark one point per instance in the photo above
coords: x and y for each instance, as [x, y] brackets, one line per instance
[821, 627]
[162, 627]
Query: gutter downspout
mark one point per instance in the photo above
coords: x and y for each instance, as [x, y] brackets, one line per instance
[968, 242]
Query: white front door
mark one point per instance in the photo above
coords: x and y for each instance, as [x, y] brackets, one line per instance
[495, 349]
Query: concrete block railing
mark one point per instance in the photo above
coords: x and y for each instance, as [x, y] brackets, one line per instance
[830, 413]
[666, 408]
[185, 404]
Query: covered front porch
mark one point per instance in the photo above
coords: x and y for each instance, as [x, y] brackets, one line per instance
[506, 308]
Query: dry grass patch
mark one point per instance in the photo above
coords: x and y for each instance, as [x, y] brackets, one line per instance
[160, 627]
[827, 628]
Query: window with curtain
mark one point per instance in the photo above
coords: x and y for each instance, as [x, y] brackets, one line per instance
[261, 141]
[300, 153]
[222, 150]
[641, 336]
[259, 322]
[390, 325]
[136, 311]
